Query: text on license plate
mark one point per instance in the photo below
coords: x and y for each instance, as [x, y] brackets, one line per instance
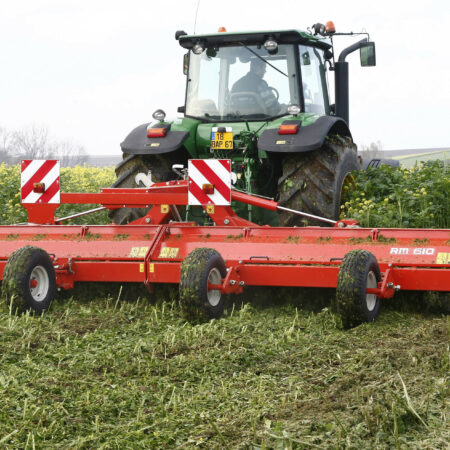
[221, 140]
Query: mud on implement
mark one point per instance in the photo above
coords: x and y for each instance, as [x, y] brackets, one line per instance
[364, 265]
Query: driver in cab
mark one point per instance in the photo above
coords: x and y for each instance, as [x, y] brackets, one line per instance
[253, 82]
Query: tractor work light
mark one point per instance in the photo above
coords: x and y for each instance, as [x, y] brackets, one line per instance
[198, 48]
[293, 109]
[271, 45]
[208, 188]
[156, 132]
[319, 28]
[288, 129]
[159, 114]
[39, 188]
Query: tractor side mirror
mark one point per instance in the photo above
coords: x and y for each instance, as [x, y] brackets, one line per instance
[185, 63]
[367, 54]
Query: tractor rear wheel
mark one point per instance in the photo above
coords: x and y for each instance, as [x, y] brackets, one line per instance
[312, 182]
[29, 280]
[203, 266]
[126, 171]
[359, 271]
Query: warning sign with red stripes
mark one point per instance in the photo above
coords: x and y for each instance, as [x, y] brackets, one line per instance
[40, 181]
[209, 182]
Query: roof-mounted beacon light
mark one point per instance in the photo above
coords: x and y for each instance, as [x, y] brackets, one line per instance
[330, 28]
[222, 30]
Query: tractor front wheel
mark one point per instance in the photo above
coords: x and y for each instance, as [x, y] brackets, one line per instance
[359, 271]
[29, 280]
[201, 268]
[312, 182]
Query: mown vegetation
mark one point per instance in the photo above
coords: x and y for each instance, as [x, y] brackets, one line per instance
[111, 373]
[127, 371]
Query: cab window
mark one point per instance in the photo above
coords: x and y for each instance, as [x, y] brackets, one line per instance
[314, 80]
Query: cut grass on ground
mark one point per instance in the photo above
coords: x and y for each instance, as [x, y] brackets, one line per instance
[132, 374]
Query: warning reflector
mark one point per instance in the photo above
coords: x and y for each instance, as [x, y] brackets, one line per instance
[215, 172]
[39, 181]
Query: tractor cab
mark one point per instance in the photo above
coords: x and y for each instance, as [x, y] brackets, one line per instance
[257, 76]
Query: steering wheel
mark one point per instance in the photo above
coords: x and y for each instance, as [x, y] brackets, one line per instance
[245, 102]
[277, 94]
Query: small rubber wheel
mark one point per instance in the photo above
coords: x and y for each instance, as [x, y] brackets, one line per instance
[201, 267]
[359, 271]
[29, 281]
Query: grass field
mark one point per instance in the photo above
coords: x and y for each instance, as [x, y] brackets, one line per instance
[131, 373]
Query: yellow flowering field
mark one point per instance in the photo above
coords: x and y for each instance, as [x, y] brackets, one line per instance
[416, 197]
[73, 179]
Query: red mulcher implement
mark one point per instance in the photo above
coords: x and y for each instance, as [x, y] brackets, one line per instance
[364, 265]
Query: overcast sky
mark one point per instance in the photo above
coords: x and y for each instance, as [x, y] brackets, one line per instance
[93, 70]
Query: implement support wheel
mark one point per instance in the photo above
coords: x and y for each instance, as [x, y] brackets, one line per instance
[29, 280]
[201, 267]
[359, 271]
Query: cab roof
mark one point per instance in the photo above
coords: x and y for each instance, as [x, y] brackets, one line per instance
[253, 38]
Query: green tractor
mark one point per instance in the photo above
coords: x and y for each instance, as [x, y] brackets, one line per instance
[260, 99]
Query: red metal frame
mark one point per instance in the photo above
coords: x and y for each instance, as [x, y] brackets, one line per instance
[152, 249]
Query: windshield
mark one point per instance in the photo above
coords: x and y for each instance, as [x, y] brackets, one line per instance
[241, 83]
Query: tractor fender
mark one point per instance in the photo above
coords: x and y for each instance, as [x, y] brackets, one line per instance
[307, 138]
[137, 142]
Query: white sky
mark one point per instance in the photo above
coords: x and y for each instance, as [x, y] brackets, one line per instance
[93, 70]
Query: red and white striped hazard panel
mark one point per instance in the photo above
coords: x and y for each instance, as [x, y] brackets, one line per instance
[39, 181]
[209, 182]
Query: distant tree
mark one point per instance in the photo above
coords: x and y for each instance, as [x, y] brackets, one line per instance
[5, 146]
[34, 142]
[70, 153]
[373, 150]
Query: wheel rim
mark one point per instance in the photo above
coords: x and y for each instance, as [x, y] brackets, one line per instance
[39, 283]
[214, 295]
[371, 299]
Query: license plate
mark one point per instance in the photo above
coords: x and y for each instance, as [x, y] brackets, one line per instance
[221, 140]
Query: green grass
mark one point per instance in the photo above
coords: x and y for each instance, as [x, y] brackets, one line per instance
[127, 373]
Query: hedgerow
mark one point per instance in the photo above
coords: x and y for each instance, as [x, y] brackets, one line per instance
[418, 197]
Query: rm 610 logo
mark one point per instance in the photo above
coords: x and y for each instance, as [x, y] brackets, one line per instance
[411, 251]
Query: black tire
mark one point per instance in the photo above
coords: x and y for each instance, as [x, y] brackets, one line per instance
[130, 166]
[197, 303]
[312, 182]
[359, 271]
[29, 280]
